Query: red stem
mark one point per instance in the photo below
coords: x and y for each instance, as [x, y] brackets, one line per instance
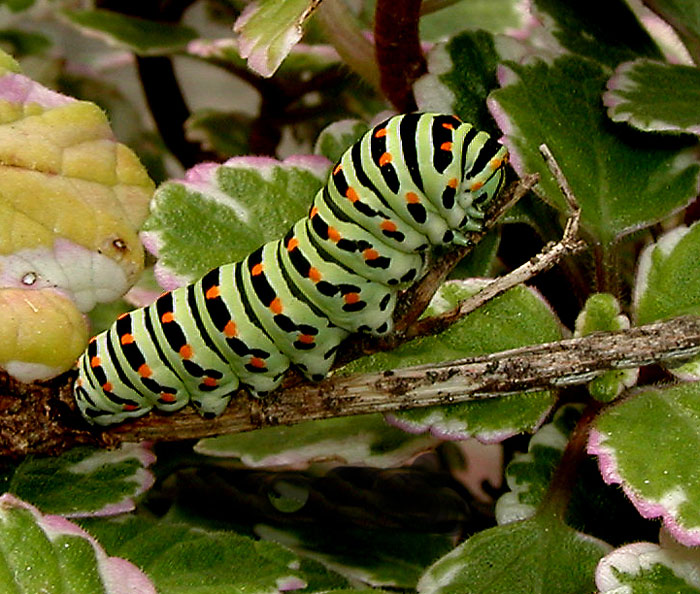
[399, 54]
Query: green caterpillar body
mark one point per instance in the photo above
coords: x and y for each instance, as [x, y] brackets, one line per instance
[413, 181]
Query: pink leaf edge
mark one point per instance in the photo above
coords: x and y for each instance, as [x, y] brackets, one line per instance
[609, 470]
[119, 575]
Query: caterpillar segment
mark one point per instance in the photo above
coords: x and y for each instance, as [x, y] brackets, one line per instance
[411, 182]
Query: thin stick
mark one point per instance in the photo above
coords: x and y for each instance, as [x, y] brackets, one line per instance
[546, 259]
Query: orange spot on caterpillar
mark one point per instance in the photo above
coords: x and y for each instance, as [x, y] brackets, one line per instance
[381, 133]
[93, 339]
[257, 362]
[333, 234]
[453, 183]
[370, 254]
[314, 274]
[79, 382]
[186, 351]
[476, 186]
[212, 292]
[446, 146]
[123, 315]
[256, 270]
[209, 381]
[385, 159]
[313, 213]
[292, 244]
[495, 163]
[389, 226]
[167, 397]
[230, 329]
[412, 198]
[276, 306]
[130, 407]
[351, 297]
[107, 387]
[448, 125]
[145, 371]
[305, 338]
[338, 168]
[127, 339]
[95, 362]
[351, 195]
[167, 317]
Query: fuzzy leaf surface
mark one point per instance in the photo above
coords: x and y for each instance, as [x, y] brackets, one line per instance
[181, 559]
[665, 287]
[43, 553]
[221, 213]
[517, 318]
[645, 568]
[642, 445]
[41, 335]
[85, 481]
[539, 555]
[362, 439]
[461, 73]
[602, 313]
[268, 29]
[623, 180]
[655, 96]
[579, 28]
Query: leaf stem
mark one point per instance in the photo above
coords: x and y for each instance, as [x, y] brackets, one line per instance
[399, 53]
[556, 500]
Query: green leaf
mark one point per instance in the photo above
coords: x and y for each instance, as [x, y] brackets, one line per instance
[684, 17]
[181, 559]
[376, 557]
[142, 36]
[85, 481]
[461, 73]
[24, 43]
[606, 31]
[665, 287]
[363, 439]
[655, 96]
[495, 16]
[517, 318]
[227, 133]
[269, 29]
[221, 213]
[642, 444]
[337, 137]
[623, 180]
[539, 555]
[49, 554]
[528, 475]
[602, 313]
[647, 568]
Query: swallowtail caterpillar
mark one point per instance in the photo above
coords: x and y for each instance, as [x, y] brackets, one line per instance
[411, 182]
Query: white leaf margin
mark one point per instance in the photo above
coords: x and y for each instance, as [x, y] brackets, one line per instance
[634, 558]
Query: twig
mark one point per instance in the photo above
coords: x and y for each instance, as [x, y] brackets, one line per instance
[546, 259]
[568, 362]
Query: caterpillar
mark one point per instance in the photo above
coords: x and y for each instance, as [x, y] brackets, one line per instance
[414, 181]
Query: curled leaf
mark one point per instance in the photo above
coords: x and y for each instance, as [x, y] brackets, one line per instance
[41, 334]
